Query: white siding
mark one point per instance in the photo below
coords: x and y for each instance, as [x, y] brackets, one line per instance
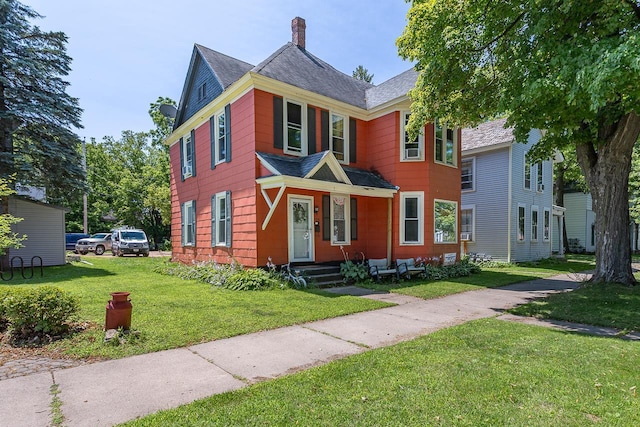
[579, 218]
[44, 227]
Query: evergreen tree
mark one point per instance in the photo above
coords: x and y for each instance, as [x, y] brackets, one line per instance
[37, 144]
[362, 73]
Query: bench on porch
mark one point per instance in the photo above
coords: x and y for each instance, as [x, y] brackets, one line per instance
[379, 267]
[407, 267]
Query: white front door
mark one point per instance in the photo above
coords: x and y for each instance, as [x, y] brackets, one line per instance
[300, 229]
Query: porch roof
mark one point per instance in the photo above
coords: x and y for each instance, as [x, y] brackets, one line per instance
[322, 166]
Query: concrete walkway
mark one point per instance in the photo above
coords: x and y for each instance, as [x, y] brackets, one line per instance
[111, 392]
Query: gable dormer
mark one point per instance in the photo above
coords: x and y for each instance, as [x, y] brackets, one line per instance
[209, 74]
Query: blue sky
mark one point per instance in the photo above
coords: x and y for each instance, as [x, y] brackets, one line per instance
[126, 53]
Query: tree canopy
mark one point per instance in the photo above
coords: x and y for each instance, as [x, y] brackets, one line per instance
[568, 67]
[362, 73]
[37, 115]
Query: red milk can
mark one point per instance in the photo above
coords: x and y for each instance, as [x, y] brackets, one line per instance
[118, 311]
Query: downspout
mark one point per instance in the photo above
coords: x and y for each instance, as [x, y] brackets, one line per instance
[509, 202]
[389, 228]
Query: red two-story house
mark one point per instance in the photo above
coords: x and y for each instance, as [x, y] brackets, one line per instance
[292, 159]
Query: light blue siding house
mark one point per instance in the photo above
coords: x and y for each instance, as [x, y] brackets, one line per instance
[507, 207]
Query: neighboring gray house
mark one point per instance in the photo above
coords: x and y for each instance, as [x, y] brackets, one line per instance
[44, 226]
[507, 207]
[580, 222]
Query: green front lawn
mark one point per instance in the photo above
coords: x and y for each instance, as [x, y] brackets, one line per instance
[169, 312]
[483, 373]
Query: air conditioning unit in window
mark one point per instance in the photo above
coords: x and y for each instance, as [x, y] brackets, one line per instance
[412, 153]
[540, 188]
[186, 171]
[465, 237]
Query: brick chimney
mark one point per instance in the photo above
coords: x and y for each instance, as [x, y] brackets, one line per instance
[298, 30]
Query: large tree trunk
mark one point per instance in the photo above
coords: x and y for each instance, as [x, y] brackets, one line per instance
[606, 165]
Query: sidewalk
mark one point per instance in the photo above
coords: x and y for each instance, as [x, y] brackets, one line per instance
[115, 391]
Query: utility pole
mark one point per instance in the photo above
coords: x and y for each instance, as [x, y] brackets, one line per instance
[84, 196]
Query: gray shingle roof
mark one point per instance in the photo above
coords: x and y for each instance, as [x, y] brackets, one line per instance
[299, 167]
[296, 66]
[393, 88]
[486, 135]
[227, 69]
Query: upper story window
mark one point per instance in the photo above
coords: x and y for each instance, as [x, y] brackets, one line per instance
[187, 155]
[202, 91]
[467, 169]
[540, 180]
[220, 135]
[411, 148]
[527, 174]
[294, 128]
[446, 143]
[338, 137]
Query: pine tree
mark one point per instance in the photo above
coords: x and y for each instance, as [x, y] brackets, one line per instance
[362, 73]
[37, 144]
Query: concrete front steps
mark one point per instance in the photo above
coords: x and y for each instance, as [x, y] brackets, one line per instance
[320, 275]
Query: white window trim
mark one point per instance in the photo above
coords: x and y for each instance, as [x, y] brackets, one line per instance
[540, 177]
[456, 232]
[303, 128]
[524, 231]
[444, 145]
[472, 208]
[403, 139]
[187, 224]
[187, 164]
[216, 143]
[218, 197]
[345, 136]
[347, 219]
[420, 196]
[535, 209]
[473, 174]
[546, 231]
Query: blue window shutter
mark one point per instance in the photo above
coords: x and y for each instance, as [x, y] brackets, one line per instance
[212, 129]
[227, 130]
[182, 224]
[228, 218]
[194, 221]
[311, 129]
[352, 140]
[181, 160]
[354, 218]
[213, 220]
[326, 218]
[193, 152]
[278, 126]
[324, 131]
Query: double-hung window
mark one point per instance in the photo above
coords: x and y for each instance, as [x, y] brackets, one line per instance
[187, 155]
[521, 222]
[221, 219]
[467, 172]
[446, 143]
[294, 128]
[527, 174]
[220, 136]
[340, 219]
[411, 218]
[540, 180]
[547, 225]
[534, 223]
[412, 148]
[188, 222]
[338, 137]
[467, 223]
[445, 215]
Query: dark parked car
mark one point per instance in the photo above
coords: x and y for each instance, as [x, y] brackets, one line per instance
[72, 238]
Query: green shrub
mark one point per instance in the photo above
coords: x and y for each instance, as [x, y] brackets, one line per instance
[352, 271]
[208, 272]
[251, 280]
[45, 310]
[4, 322]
